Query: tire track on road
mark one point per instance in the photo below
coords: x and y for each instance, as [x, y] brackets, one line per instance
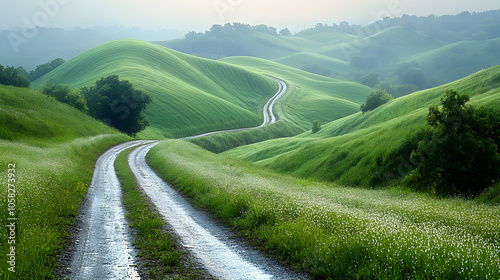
[269, 116]
[103, 249]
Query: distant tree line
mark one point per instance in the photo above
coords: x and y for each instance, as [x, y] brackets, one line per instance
[116, 103]
[223, 40]
[448, 28]
[10, 77]
[41, 69]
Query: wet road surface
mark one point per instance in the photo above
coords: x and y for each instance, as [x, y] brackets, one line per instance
[211, 244]
[103, 249]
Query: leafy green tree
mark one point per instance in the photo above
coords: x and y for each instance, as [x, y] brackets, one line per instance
[316, 126]
[460, 156]
[375, 99]
[118, 103]
[64, 94]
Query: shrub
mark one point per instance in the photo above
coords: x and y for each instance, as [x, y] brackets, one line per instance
[375, 99]
[316, 126]
[64, 94]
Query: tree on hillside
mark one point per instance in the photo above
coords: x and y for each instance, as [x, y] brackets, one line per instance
[64, 94]
[461, 154]
[10, 77]
[285, 32]
[375, 99]
[316, 126]
[118, 103]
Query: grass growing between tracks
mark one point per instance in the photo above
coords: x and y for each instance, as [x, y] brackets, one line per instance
[161, 255]
[339, 232]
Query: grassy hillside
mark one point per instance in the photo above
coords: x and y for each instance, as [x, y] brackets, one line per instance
[310, 96]
[304, 102]
[388, 45]
[338, 232]
[454, 61]
[191, 95]
[50, 149]
[352, 150]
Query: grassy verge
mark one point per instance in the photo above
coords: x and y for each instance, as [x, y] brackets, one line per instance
[161, 256]
[50, 183]
[339, 232]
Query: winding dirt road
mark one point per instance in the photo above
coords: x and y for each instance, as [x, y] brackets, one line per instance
[269, 116]
[104, 250]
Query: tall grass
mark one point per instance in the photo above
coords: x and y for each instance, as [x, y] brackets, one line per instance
[338, 232]
[50, 185]
[54, 148]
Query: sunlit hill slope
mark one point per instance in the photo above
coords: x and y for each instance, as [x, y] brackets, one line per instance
[353, 150]
[191, 95]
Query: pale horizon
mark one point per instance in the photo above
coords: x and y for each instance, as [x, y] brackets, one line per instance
[200, 15]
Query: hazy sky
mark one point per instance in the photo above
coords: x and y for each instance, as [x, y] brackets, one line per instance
[199, 15]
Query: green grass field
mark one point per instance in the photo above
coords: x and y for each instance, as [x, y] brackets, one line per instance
[51, 149]
[191, 95]
[352, 150]
[338, 232]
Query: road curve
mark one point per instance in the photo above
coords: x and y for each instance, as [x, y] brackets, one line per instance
[267, 111]
[103, 249]
[212, 245]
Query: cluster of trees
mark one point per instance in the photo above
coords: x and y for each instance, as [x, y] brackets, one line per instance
[114, 102]
[460, 155]
[10, 77]
[41, 69]
[447, 28]
[222, 40]
[228, 28]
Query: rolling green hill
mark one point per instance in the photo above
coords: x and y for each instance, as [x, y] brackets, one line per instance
[454, 61]
[352, 150]
[310, 97]
[388, 45]
[304, 102]
[191, 95]
[49, 149]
